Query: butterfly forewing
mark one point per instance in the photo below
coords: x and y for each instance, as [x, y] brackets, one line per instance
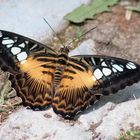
[112, 73]
[31, 65]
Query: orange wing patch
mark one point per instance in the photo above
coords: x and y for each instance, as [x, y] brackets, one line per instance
[73, 93]
[35, 82]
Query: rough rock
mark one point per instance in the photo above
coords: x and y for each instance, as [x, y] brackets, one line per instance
[86, 47]
[103, 122]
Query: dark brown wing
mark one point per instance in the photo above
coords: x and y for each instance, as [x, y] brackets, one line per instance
[74, 92]
[31, 65]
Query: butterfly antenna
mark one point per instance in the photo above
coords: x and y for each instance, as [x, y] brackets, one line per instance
[55, 33]
[77, 38]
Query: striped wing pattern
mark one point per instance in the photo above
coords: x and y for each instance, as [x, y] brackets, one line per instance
[36, 81]
[74, 93]
[31, 65]
[86, 78]
[112, 73]
[70, 85]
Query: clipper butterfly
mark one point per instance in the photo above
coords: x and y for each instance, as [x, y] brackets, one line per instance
[43, 77]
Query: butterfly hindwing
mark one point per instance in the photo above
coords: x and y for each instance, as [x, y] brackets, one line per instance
[74, 92]
[31, 65]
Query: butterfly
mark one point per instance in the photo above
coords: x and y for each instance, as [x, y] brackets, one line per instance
[44, 78]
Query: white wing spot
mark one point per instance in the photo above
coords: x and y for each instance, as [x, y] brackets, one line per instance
[103, 64]
[121, 66]
[107, 71]
[117, 67]
[93, 78]
[23, 61]
[22, 56]
[131, 65]
[93, 61]
[33, 47]
[8, 41]
[26, 42]
[22, 45]
[5, 38]
[0, 34]
[15, 50]
[114, 70]
[9, 45]
[98, 74]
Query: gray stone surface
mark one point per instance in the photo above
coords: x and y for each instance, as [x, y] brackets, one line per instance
[26, 16]
[86, 47]
[104, 123]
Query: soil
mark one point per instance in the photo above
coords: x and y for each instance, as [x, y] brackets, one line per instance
[117, 36]
[114, 34]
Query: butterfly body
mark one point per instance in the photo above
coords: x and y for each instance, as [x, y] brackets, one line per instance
[61, 64]
[44, 78]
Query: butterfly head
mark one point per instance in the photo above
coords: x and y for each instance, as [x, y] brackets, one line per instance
[64, 50]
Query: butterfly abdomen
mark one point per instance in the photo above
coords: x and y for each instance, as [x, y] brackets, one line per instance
[60, 66]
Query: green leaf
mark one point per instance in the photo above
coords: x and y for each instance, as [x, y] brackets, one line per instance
[84, 12]
[130, 135]
[79, 32]
[134, 8]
